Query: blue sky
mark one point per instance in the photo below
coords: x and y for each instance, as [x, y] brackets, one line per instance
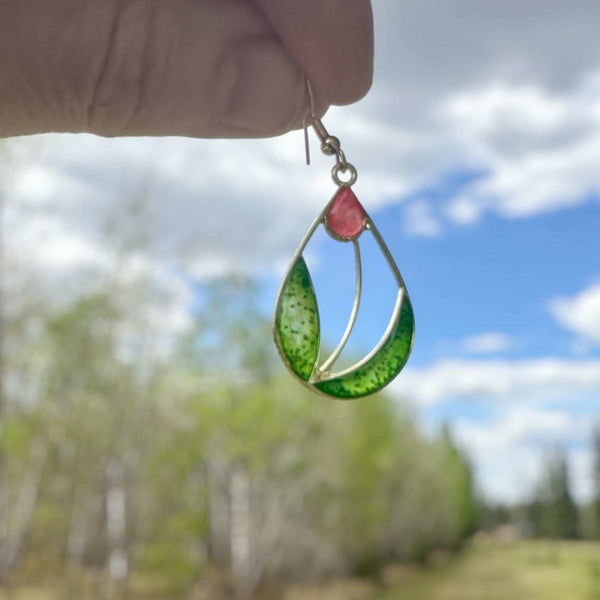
[482, 293]
[500, 276]
[478, 153]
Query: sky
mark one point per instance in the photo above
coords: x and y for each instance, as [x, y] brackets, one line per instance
[478, 157]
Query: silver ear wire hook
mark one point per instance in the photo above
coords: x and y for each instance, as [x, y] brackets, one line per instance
[306, 143]
[330, 145]
[309, 116]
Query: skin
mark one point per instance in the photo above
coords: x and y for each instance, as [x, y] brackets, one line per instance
[198, 68]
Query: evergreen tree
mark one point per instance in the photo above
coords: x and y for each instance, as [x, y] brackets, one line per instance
[558, 515]
[595, 506]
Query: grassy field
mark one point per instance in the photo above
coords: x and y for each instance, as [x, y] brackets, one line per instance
[521, 571]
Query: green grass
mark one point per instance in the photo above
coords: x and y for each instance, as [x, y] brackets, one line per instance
[522, 571]
[525, 570]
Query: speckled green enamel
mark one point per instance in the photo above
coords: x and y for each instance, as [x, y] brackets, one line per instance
[382, 367]
[297, 321]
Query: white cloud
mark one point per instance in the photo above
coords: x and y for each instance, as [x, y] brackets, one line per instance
[526, 113]
[500, 107]
[580, 313]
[508, 451]
[540, 149]
[522, 426]
[464, 210]
[487, 343]
[211, 207]
[581, 463]
[157, 310]
[529, 407]
[419, 220]
[500, 380]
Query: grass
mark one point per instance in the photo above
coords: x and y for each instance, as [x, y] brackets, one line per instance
[526, 570]
[531, 570]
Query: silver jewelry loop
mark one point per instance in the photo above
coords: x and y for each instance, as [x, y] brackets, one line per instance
[343, 169]
[340, 158]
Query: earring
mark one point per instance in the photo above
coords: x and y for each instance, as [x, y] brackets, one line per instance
[296, 324]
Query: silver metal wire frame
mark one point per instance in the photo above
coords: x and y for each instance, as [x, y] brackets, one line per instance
[330, 146]
[402, 293]
[388, 255]
[322, 372]
[318, 221]
[319, 373]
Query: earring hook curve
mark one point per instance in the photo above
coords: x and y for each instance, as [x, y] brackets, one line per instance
[330, 145]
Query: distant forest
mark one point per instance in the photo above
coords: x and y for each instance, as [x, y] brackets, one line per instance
[122, 459]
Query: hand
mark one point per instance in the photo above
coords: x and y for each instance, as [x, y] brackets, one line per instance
[200, 68]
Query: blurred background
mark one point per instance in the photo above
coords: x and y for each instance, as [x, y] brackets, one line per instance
[153, 446]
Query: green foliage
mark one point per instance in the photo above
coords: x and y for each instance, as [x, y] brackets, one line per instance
[218, 451]
[593, 529]
[554, 513]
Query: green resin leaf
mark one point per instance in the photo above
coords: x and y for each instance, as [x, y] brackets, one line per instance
[297, 321]
[382, 367]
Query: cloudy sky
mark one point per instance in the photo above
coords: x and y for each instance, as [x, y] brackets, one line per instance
[478, 152]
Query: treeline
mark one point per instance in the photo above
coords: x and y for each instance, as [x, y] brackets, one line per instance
[202, 467]
[553, 512]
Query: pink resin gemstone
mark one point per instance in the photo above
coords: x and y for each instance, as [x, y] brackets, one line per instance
[345, 218]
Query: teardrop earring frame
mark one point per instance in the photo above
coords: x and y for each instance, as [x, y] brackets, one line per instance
[296, 326]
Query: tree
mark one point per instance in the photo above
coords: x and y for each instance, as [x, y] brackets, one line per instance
[595, 505]
[125, 458]
[558, 513]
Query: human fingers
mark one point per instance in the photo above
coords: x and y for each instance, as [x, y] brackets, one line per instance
[203, 68]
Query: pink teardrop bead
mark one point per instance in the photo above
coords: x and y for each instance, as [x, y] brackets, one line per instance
[345, 218]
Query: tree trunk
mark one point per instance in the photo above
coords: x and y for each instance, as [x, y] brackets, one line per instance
[116, 522]
[240, 530]
[12, 547]
[218, 517]
[76, 537]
